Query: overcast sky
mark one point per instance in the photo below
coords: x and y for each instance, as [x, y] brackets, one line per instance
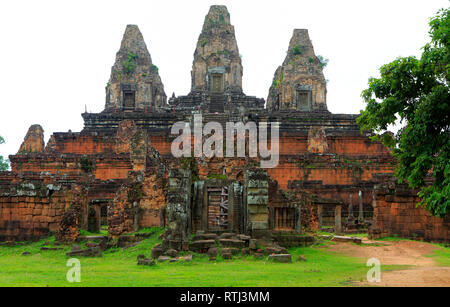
[56, 56]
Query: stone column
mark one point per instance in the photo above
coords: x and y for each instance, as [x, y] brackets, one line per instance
[298, 222]
[350, 217]
[178, 210]
[319, 215]
[361, 213]
[337, 219]
[257, 202]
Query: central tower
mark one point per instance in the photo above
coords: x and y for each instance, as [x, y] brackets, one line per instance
[217, 66]
[216, 76]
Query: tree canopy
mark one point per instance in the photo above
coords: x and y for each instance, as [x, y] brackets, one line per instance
[4, 164]
[415, 91]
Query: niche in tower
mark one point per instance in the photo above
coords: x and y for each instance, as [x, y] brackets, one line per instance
[303, 97]
[128, 96]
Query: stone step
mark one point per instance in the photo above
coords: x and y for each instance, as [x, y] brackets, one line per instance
[347, 239]
[232, 243]
[202, 246]
[205, 236]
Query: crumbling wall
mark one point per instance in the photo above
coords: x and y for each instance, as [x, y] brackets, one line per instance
[31, 210]
[33, 141]
[75, 217]
[153, 203]
[123, 214]
[257, 199]
[179, 197]
[396, 213]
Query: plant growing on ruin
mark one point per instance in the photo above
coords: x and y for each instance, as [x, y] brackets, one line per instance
[416, 92]
[204, 42]
[130, 64]
[323, 61]
[155, 69]
[4, 163]
[87, 165]
[297, 50]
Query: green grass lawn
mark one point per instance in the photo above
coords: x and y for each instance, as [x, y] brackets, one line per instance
[119, 267]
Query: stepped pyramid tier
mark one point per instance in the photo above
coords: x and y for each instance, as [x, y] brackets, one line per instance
[217, 69]
[122, 170]
[299, 84]
[134, 83]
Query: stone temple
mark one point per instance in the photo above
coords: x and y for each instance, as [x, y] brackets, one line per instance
[119, 171]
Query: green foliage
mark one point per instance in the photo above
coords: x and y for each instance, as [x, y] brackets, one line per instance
[416, 92]
[4, 163]
[204, 42]
[155, 69]
[191, 164]
[130, 64]
[311, 59]
[297, 50]
[323, 61]
[87, 165]
[221, 19]
[218, 176]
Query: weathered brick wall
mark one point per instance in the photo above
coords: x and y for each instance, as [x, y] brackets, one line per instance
[29, 218]
[396, 213]
[153, 202]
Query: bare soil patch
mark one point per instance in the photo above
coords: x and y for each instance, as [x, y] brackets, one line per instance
[424, 273]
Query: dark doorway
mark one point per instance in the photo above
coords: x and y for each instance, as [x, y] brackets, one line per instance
[94, 219]
[128, 100]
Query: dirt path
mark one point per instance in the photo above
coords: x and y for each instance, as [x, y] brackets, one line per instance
[425, 272]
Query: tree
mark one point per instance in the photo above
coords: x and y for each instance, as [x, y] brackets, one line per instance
[416, 92]
[4, 164]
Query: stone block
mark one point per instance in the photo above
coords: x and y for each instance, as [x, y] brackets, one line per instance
[227, 256]
[147, 262]
[232, 243]
[230, 250]
[260, 225]
[205, 236]
[172, 253]
[202, 246]
[212, 251]
[257, 199]
[283, 258]
[163, 258]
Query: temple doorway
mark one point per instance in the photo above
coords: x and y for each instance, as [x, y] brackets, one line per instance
[94, 219]
[218, 208]
[217, 83]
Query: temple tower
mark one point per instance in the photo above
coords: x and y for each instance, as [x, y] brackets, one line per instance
[217, 66]
[134, 83]
[299, 84]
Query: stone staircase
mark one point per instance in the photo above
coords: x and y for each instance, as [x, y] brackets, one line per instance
[220, 118]
[217, 103]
